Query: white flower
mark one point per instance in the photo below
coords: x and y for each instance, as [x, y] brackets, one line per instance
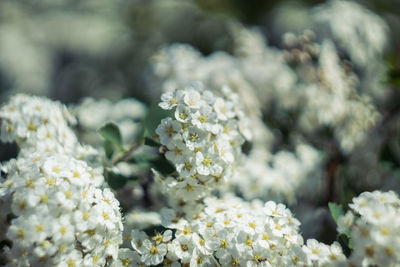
[207, 164]
[194, 138]
[223, 109]
[272, 209]
[183, 113]
[74, 258]
[201, 245]
[171, 99]
[206, 119]
[127, 257]
[63, 230]
[315, 250]
[176, 151]
[153, 254]
[189, 189]
[183, 248]
[167, 130]
[137, 239]
[165, 237]
[192, 98]
[345, 222]
[187, 167]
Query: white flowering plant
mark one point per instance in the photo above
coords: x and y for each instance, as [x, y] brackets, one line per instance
[230, 151]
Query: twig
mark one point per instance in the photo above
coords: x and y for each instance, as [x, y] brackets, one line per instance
[126, 154]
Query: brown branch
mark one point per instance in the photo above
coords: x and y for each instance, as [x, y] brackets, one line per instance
[126, 155]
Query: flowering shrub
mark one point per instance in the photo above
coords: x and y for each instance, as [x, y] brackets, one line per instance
[234, 151]
[230, 232]
[372, 224]
[60, 216]
[203, 140]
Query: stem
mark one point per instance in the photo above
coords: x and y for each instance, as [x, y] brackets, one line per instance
[126, 155]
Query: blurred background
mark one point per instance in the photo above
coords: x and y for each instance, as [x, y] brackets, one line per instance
[68, 50]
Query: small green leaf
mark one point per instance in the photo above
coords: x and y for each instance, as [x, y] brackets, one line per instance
[346, 240]
[108, 148]
[153, 118]
[143, 157]
[116, 180]
[351, 243]
[336, 211]
[142, 160]
[162, 165]
[150, 142]
[111, 132]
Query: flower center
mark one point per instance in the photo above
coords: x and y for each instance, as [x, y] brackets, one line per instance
[206, 161]
[202, 118]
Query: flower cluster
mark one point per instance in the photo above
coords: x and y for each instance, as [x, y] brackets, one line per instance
[59, 215]
[350, 114]
[53, 210]
[320, 254]
[40, 125]
[374, 226]
[177, 65]
[230, 232]
[203, 139]
[285, 175]
[361, 33]
[37, 122]
[300, 49]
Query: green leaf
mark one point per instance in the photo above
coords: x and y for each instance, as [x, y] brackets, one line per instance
[156, 161]
[150, 142]
[346, 240]
[336, 211]
[111, 132]
[162, 165]
[108, 148]
[142, 157]
[351, 243]
[153, 118]
[143, 160]
[116, 180]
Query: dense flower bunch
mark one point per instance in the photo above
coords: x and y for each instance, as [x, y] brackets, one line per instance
[40, 125]
[53, 210]
[60, 215]
[359, 31]
[285, 175]
[203, 139]
[177, 65]
[333, 90]
[231, 232]
[373, 224]
[37, 122]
